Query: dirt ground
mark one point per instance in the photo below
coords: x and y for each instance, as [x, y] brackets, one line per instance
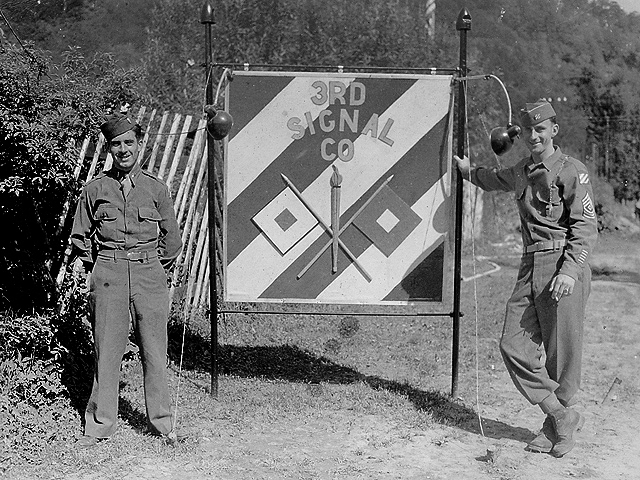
[338, 444]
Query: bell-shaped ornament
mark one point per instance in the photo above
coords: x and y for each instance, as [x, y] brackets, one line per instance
[220, 124]
[502, 138]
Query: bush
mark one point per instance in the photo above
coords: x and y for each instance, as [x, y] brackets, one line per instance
[46, 110]
[45, 378]
[32, 396]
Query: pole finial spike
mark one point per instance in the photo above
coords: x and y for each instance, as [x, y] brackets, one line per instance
[206, 13]
[464, 20]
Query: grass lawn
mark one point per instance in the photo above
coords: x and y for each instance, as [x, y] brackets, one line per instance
[278, 371]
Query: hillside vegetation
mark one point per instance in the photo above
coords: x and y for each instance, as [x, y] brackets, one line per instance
[581, 54]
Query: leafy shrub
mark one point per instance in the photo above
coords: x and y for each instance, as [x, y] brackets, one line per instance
[45, 377]
[32, 396]
[46, 110]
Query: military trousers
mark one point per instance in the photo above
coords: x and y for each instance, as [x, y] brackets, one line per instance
[121, 289]
[542, 338]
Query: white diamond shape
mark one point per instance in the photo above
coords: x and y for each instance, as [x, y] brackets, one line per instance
[387, 220]
[283, 240]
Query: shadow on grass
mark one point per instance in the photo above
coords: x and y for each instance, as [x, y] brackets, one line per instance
[131, 415]
[292, 364]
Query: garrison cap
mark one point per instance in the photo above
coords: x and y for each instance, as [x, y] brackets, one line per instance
[115, 125]
[534, 113]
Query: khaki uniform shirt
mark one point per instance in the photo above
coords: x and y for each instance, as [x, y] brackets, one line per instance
[555, 200]
[141, 220]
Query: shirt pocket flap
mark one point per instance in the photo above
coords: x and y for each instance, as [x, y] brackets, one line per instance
[106, 213]
[149, 213]
[550, 197]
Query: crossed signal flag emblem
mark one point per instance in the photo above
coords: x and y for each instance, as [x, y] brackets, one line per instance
[383, 217]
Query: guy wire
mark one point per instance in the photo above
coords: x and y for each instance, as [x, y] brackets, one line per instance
[475, 284]
[186, 319]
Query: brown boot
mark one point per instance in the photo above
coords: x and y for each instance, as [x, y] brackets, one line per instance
[566, 423]
[545, 440]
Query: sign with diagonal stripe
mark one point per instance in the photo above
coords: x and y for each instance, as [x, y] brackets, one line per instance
[337, 188]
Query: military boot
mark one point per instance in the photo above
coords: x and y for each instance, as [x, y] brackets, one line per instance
[545, 440]
[566, 423]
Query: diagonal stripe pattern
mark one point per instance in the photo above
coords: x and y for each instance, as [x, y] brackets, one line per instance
[402, 131]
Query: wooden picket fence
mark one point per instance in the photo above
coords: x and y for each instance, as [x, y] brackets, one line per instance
[175, 150]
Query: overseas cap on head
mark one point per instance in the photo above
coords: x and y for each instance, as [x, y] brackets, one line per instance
[534, 113]
[115, 125]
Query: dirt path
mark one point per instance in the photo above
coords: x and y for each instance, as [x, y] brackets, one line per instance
[341, 444]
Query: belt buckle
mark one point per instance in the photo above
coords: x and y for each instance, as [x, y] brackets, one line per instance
[136, 256]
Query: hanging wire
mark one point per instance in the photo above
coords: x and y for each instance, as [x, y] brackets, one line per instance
[225, 76]
[475, 282]
[487, 77]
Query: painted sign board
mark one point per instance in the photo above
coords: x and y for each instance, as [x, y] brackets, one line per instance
[337, 189]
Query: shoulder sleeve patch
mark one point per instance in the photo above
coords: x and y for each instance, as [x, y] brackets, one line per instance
[584, 178]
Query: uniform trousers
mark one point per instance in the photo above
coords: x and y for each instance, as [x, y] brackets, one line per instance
[541, 342]
[120, 288]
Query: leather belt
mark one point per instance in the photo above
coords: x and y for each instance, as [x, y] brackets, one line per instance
[133, 255]
[544, 246]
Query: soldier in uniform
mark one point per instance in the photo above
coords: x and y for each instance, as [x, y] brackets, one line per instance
[541, 342]
[126, 235]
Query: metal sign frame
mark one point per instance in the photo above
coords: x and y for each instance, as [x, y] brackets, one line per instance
[397, 164]
[463, 25]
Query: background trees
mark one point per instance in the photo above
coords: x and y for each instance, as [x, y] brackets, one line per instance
[580, 54]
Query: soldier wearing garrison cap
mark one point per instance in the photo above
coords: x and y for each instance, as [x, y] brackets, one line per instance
[541, 342]
[126, 234]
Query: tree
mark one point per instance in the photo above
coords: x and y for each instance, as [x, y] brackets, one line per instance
[277, 32]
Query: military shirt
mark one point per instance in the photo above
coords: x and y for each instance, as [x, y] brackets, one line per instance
[141, 220]
[555, 201]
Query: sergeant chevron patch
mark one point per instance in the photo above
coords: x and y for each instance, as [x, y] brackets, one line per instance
[587, 207]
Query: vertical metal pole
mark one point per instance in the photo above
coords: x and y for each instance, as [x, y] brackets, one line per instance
[463, 24]
[207, 18]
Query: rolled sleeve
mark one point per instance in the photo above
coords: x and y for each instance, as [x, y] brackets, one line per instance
[494, 179]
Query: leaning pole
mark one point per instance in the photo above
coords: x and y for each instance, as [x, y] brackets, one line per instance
[463, 25]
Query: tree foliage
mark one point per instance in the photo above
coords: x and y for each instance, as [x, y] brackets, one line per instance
[580, 54]
[45, 111]
[584, 51]
[310, 32]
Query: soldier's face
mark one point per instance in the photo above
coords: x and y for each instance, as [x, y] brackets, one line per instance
[539, 137]
[124, 149]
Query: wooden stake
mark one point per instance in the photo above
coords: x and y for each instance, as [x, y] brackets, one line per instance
[178, 154]
[169, 145]
[145, 139]
[156, 143]
[202, 271]
[187, 176]
[197, 257]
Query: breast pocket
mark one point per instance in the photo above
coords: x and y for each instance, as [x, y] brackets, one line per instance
[107, 218]
[549, 202]
[149, 218]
